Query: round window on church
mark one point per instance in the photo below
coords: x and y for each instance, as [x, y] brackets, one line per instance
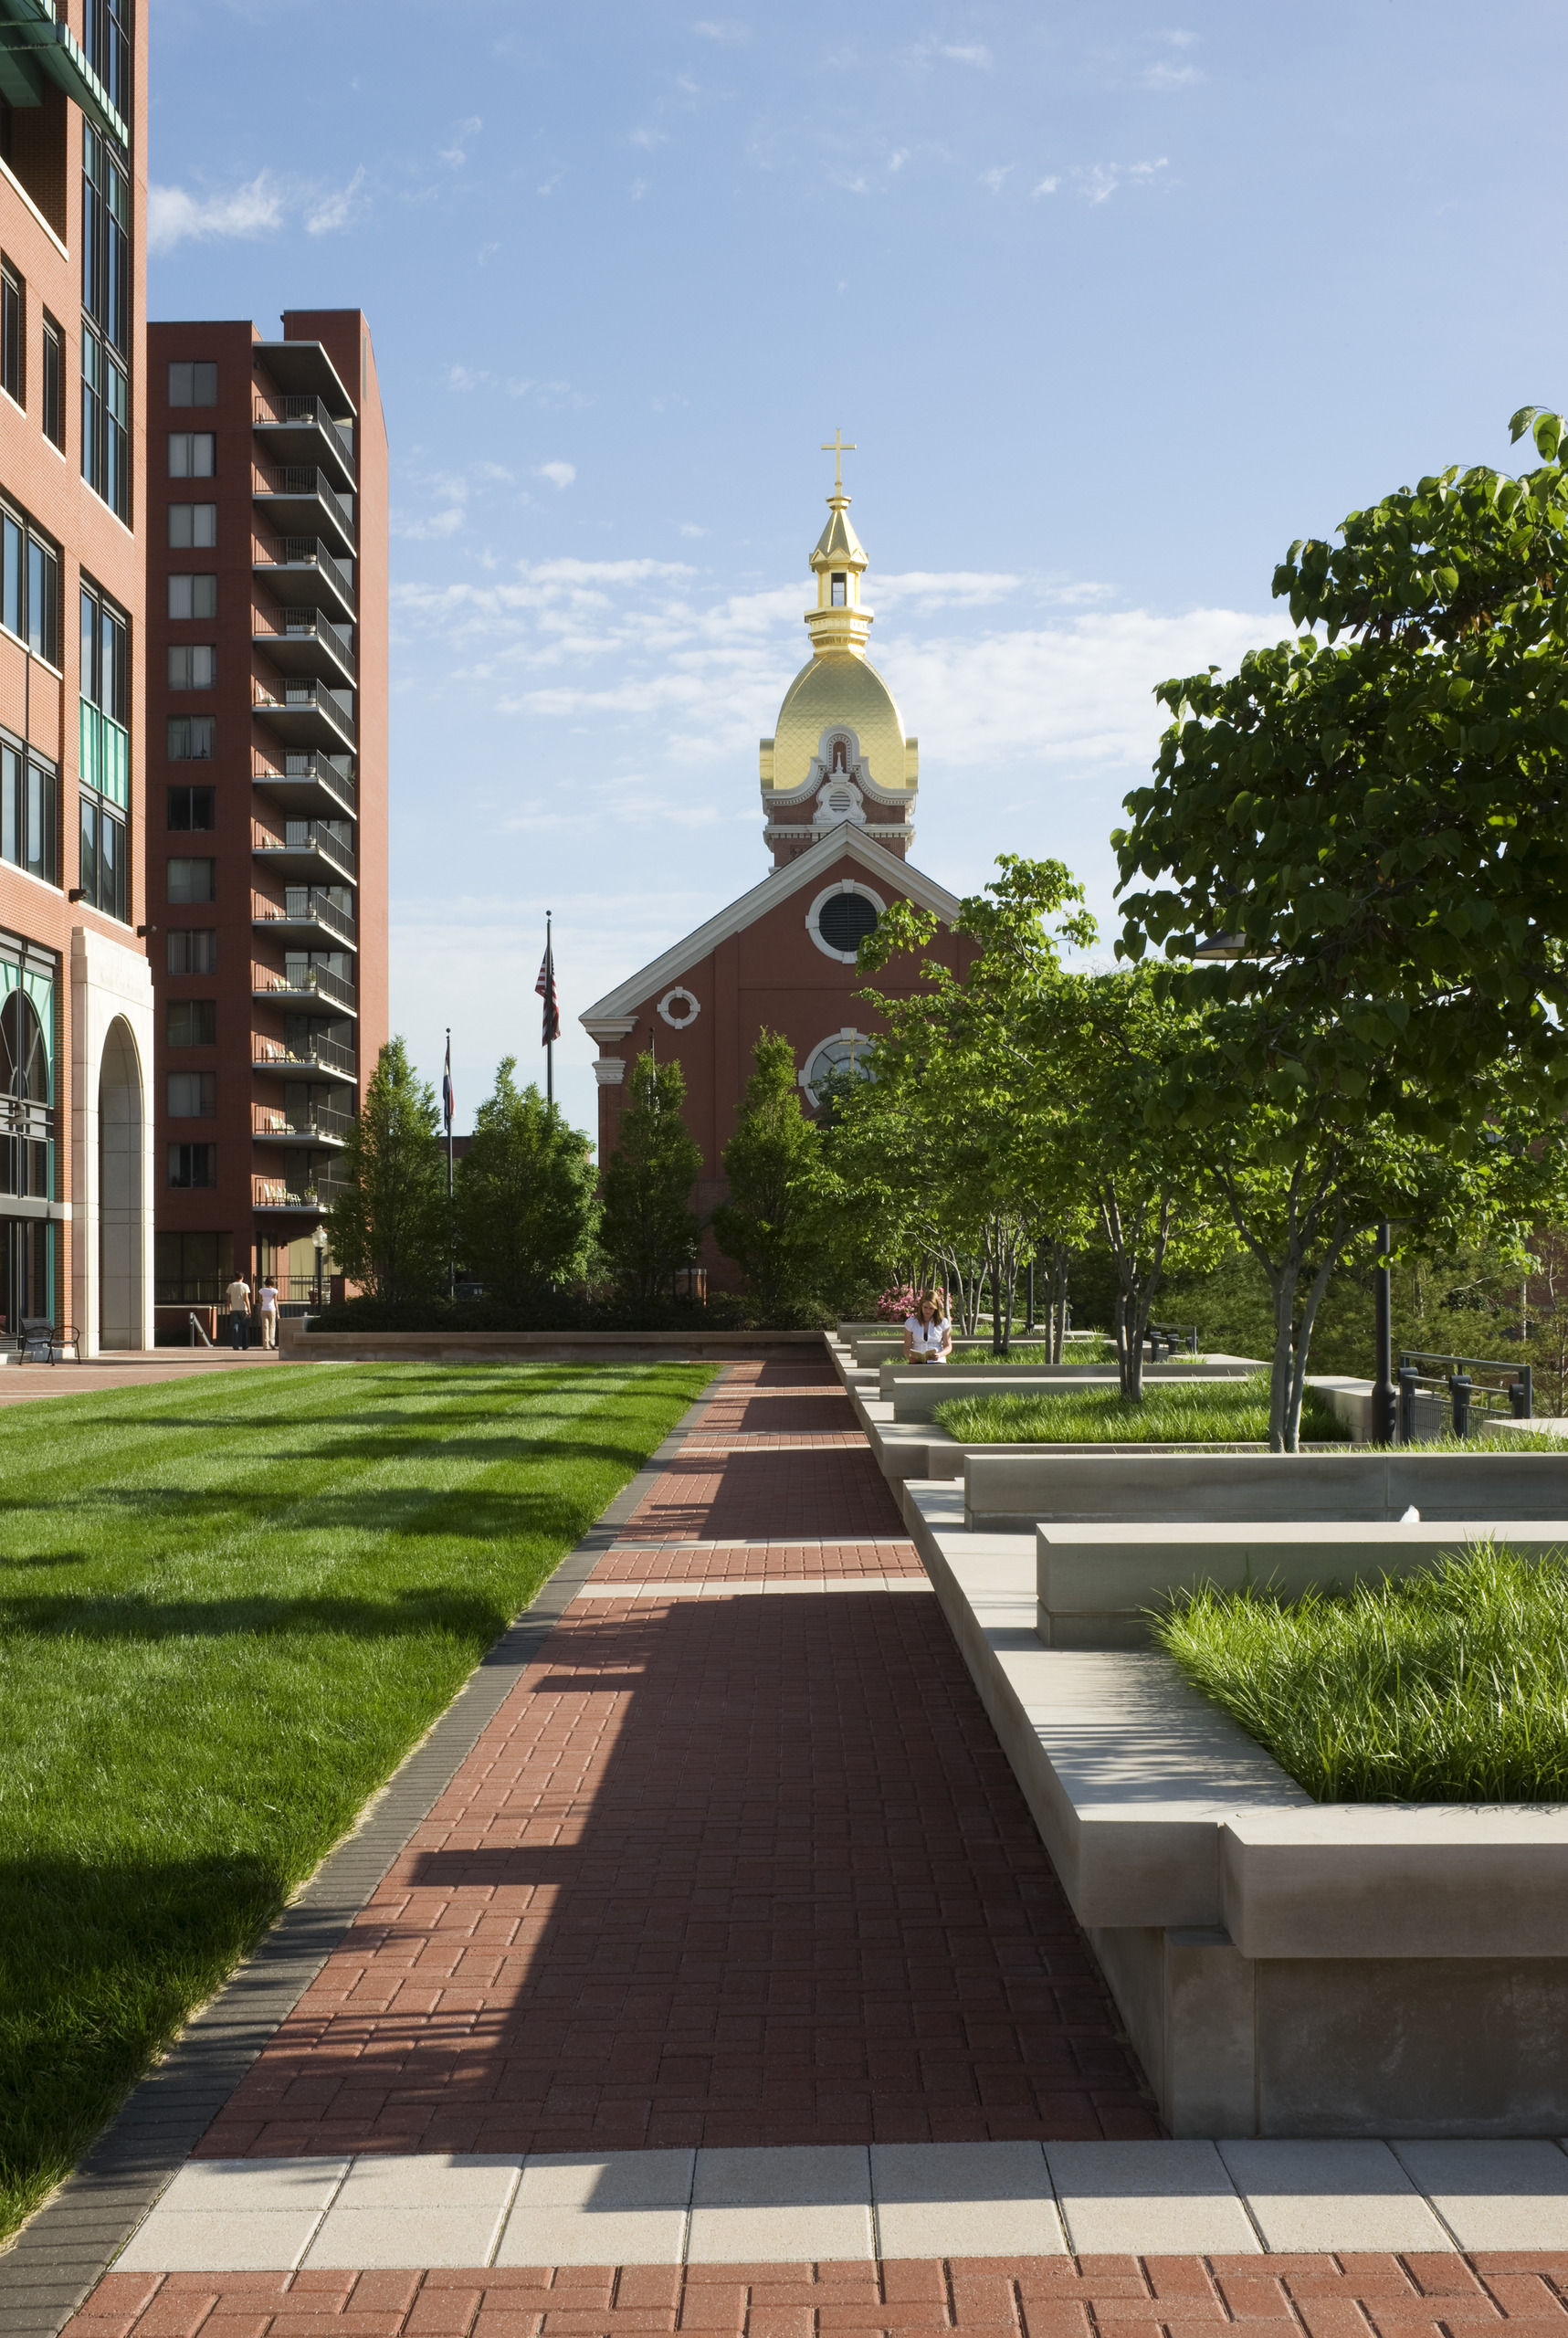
[836, 1064]
[846, 920]
[679, 1008]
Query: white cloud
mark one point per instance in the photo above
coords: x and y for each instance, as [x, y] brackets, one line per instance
[638, 189]
[462, 135]
[175, 216]
[726, 34]
[996, 177]
[441, 523]
[1045, 187]
[649, 139]
[1097, 182]
[1163, 76]
[976, 55]
[558, 474]
[337, 209]
[689, 528]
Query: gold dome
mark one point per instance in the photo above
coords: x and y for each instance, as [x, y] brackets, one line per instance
[838, 684]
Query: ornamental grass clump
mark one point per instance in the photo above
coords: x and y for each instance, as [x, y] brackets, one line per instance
[1449, 1687]
[1192, 1412]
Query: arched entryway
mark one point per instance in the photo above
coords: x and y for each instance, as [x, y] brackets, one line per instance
[120, 1264]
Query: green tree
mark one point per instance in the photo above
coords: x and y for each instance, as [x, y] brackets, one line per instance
[524, 1207]
[649, 1230]
[389, 1226]
[772, 1224]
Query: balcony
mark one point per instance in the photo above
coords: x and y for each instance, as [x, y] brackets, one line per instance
[302, 572]
[300, 501]
[319, 1125]
[314, 988]
[307, 850]
[303, 714]
[274, 1195]
[304, 911]
[298, 431]
[322, 1060]
[304, 641]
[306, 784]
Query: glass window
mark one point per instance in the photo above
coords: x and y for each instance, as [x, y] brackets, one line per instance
[190, 807]
[193, 454]
[54, 414]
[192, 949]
[191, 738]
[11, 540]
[192, 597]
[42, 789]
[193, 1165]
[193, 1095]
[839, 584]
[192, 1022]
[13, 336]
[192, 384]
[192, 667]
[91, 408]
[42, 626]
[13, 805]
[192, 880]
[87, 851]
[193, 526]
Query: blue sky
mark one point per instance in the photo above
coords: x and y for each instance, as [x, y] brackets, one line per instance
[1116, 301]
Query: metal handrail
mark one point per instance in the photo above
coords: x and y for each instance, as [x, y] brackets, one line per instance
[316, 838]
[1174, 1335]
[295, 697]
[303, 625]
[309, 764]
[324, 1054]
[320, 1123]
[318, 982]
[1514, 1400]
[304, 552]
[302, 407]
[301, 904]
[304, 479]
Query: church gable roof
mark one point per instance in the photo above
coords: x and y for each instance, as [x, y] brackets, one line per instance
[840, 844]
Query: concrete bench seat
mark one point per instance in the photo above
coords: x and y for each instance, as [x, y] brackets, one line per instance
[1096, 1584]
[916, 1389]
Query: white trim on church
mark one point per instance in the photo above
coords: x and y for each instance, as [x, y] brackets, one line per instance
[605, 1019]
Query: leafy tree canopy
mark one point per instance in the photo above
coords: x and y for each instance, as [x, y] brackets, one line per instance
[389, 1226]
[649, 1230]
[772, 1224]
[524, 1207]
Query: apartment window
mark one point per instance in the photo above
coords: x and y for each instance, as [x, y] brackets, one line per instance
[54, 414]
[102, 871]
[190, 807]
[106, 37]
[192, 597]
[192, 384]
[106, 273]
[193, 1167]
[30, 586]
[105, 654]
[191, 526]
[192, 667]
[12, 334]
[193, 1095]
[193, 881]
[29, 795]
[193, 454]
[192, 949]
[192, 1023]
[191, 738]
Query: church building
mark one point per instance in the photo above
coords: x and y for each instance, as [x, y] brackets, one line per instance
[839, 780]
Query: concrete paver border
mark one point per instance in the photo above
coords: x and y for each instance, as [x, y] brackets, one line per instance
[64, 2251]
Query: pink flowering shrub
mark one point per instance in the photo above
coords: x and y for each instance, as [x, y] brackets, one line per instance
[894, 1305]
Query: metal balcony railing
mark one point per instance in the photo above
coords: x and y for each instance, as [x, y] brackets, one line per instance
[308, 765]
[323, 1055]
[301, 698]
[320, 1125]
[302, 411]
[301, 478]
[304, 624]
[304, 552]
[306, 981]
[305, 835]
[302, 905]
[276, 1193]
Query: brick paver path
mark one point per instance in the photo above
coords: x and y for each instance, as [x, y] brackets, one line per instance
[1521, 2293]
[728, 1870]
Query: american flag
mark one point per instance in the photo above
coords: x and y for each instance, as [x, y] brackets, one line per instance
[545, 986]
[448, 1095]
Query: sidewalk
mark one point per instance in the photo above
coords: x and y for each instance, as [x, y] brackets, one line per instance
[726, 1984]
[125, 1368]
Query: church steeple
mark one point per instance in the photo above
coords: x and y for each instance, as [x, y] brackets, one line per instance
[839, 621]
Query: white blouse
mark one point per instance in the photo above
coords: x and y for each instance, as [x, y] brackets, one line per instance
[926, 1339]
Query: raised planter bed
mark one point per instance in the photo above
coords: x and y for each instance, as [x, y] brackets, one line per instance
[304, 1345]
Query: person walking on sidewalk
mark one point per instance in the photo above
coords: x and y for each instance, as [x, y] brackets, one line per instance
[267, 1308]
[240, 1312]
[928, 1334]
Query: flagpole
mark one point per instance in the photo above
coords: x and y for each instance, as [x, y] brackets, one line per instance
[550, 1043]
[447, 1100]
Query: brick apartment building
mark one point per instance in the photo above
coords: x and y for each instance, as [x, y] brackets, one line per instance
[76, 997]
[267, 670]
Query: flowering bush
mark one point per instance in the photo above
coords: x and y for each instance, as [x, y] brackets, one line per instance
[894, 1305]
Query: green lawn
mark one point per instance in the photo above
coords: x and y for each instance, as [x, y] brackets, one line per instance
[229, 1606]
[1450, 1687]
[1212, 1412]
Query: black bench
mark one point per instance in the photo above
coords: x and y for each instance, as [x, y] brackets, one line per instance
[43, 1341]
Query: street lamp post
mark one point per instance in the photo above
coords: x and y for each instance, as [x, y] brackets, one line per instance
[1384, 1395]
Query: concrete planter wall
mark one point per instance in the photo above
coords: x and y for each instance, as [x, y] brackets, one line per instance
[542, 1347]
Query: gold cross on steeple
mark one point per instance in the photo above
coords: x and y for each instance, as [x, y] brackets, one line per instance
[838, 447]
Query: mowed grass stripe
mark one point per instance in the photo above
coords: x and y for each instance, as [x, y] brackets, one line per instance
[227, 1609]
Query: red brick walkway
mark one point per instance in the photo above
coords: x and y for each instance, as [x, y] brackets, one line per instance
[1521, 2293]
[727, 1870]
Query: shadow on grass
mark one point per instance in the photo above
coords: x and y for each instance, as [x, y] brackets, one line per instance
[420, 1609]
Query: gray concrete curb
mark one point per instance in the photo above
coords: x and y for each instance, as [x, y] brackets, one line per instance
[64, 2251]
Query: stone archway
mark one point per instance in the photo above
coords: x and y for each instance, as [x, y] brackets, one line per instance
[119, 1145]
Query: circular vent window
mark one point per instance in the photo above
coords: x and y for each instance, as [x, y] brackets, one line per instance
[845, 919]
